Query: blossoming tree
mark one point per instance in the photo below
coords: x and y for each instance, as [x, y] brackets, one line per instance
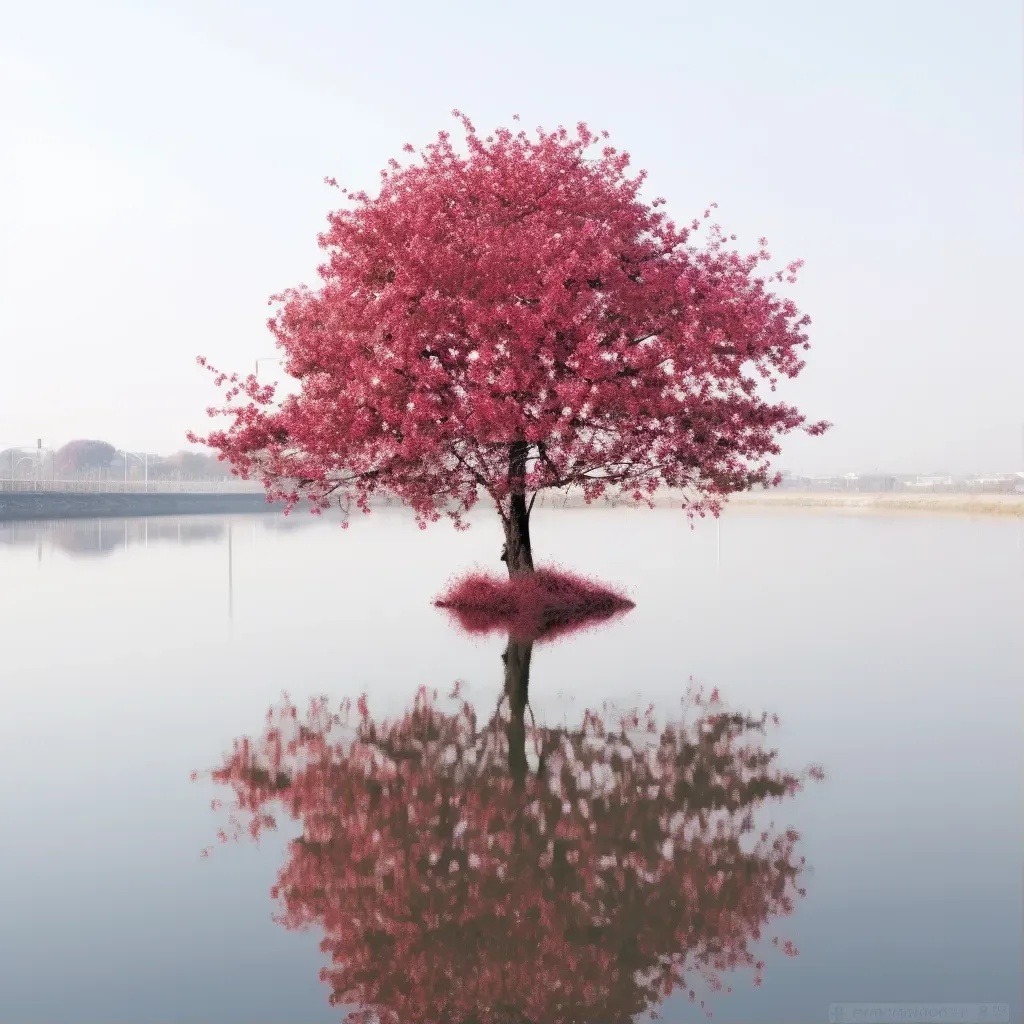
[516, 318]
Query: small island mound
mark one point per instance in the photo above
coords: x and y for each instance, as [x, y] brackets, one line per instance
[544, 604]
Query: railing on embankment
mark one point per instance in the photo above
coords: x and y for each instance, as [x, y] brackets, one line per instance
[108, 485]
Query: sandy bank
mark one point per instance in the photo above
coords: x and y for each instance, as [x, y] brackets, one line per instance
[900, 502]
[836, 501]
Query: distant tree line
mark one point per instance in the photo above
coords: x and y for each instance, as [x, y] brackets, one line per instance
[87, 457]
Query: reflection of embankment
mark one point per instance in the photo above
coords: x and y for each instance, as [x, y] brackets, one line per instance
[102, 536]
[470, 871]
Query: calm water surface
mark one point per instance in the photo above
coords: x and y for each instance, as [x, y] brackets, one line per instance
[134, 652]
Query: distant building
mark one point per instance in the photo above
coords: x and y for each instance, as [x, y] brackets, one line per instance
[876, 483]
[932, 482]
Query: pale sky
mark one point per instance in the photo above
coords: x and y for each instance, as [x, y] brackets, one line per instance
[162, 165]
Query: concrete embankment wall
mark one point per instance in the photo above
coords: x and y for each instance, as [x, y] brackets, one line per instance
[96, 505]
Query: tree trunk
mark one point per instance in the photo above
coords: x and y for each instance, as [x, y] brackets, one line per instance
[517, 688]
[518, 552]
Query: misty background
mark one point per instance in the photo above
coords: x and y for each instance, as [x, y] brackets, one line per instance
[162, 174]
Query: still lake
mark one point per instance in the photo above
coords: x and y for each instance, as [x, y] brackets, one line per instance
[133, 652]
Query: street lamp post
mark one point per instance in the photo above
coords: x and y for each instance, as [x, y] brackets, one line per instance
[265, 359]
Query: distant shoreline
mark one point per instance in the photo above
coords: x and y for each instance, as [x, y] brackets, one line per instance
[891, 502]
[853, 502]
[22, 506]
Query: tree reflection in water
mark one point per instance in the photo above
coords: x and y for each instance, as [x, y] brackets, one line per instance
[471, 871]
